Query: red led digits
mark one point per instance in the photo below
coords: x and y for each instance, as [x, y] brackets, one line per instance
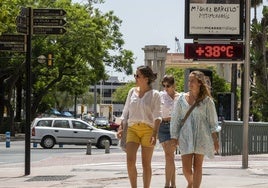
[214, 51]
[209, 51]
[219, 51]
[230, 51]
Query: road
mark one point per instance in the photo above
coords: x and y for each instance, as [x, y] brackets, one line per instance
[16, 152]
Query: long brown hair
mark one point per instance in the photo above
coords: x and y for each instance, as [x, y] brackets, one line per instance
[204, 88]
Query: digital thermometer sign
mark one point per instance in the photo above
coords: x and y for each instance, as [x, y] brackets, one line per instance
[214, 51]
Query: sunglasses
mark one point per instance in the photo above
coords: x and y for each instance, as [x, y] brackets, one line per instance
[166, 86]
[137, 76]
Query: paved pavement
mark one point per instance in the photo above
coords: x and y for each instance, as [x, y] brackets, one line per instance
[78, 170]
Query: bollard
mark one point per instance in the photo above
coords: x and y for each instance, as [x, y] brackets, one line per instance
[7, 139]
[89, 147]
[35, 145]
[107, 146]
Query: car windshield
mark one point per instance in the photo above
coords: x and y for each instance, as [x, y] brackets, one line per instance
[101, 120]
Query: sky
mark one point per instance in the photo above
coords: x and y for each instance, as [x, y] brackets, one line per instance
[148, 22]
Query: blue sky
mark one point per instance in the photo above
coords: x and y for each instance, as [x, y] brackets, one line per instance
[148, 22]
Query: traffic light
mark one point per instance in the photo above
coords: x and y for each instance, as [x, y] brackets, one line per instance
[49, 60]
[225, 106]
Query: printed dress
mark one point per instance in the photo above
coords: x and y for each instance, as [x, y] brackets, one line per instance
[195, 135]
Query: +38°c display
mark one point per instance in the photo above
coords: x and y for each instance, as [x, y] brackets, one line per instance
[214, 51]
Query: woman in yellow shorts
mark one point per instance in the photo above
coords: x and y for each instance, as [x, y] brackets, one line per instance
[143, 111]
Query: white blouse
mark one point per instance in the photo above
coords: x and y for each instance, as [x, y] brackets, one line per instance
[146, 109]
[167, 104]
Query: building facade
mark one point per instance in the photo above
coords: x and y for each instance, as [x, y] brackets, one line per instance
[104, 91]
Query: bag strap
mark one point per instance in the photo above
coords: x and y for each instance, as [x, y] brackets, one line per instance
[189, 112]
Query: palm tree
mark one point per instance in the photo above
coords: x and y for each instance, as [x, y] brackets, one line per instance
[259, 65]
[255, 4]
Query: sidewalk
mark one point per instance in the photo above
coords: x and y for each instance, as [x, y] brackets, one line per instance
[109, 171]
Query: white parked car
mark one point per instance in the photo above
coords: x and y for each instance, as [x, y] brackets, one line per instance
[49, 131]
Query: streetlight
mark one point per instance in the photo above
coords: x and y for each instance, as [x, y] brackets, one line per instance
[41, 59]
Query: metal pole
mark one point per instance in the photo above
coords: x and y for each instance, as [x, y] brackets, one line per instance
[246, 90]
[95, 100]
[28, 95]
[75, 105]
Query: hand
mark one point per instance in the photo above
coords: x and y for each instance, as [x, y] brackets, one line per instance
[153, 140]
[174, 142]
[119, 133]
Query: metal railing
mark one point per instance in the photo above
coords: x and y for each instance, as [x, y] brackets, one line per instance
[231, 137]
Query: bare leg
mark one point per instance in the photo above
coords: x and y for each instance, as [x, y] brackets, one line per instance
[197, 166]
[146, 154]
[132, 148]
[170, 164]
[187, 168]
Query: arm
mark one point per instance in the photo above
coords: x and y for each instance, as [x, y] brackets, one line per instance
[155, 131]
[157, 114]
[175, 121]
[213, 122]
[216, 142]
[124, 116]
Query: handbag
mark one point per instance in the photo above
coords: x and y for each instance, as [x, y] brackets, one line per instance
[124, 131]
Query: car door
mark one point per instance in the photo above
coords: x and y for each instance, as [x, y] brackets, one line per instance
[63, 131]
[81, 132]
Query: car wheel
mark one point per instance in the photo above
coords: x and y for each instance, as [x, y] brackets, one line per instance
[41, 144]
[102, 141]
[48, 142]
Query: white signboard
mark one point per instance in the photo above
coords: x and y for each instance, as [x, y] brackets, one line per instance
[219, 20]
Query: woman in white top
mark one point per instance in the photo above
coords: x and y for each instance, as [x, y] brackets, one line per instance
[143, 111]
[168, 97]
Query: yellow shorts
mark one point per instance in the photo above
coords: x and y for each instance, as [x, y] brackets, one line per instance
[140, 133]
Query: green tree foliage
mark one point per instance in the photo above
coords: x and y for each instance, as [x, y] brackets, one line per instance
[120, 94]
[93, 40]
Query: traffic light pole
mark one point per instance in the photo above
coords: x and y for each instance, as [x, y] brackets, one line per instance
[28, 94]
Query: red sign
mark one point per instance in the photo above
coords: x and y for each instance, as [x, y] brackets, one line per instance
[214, 51]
